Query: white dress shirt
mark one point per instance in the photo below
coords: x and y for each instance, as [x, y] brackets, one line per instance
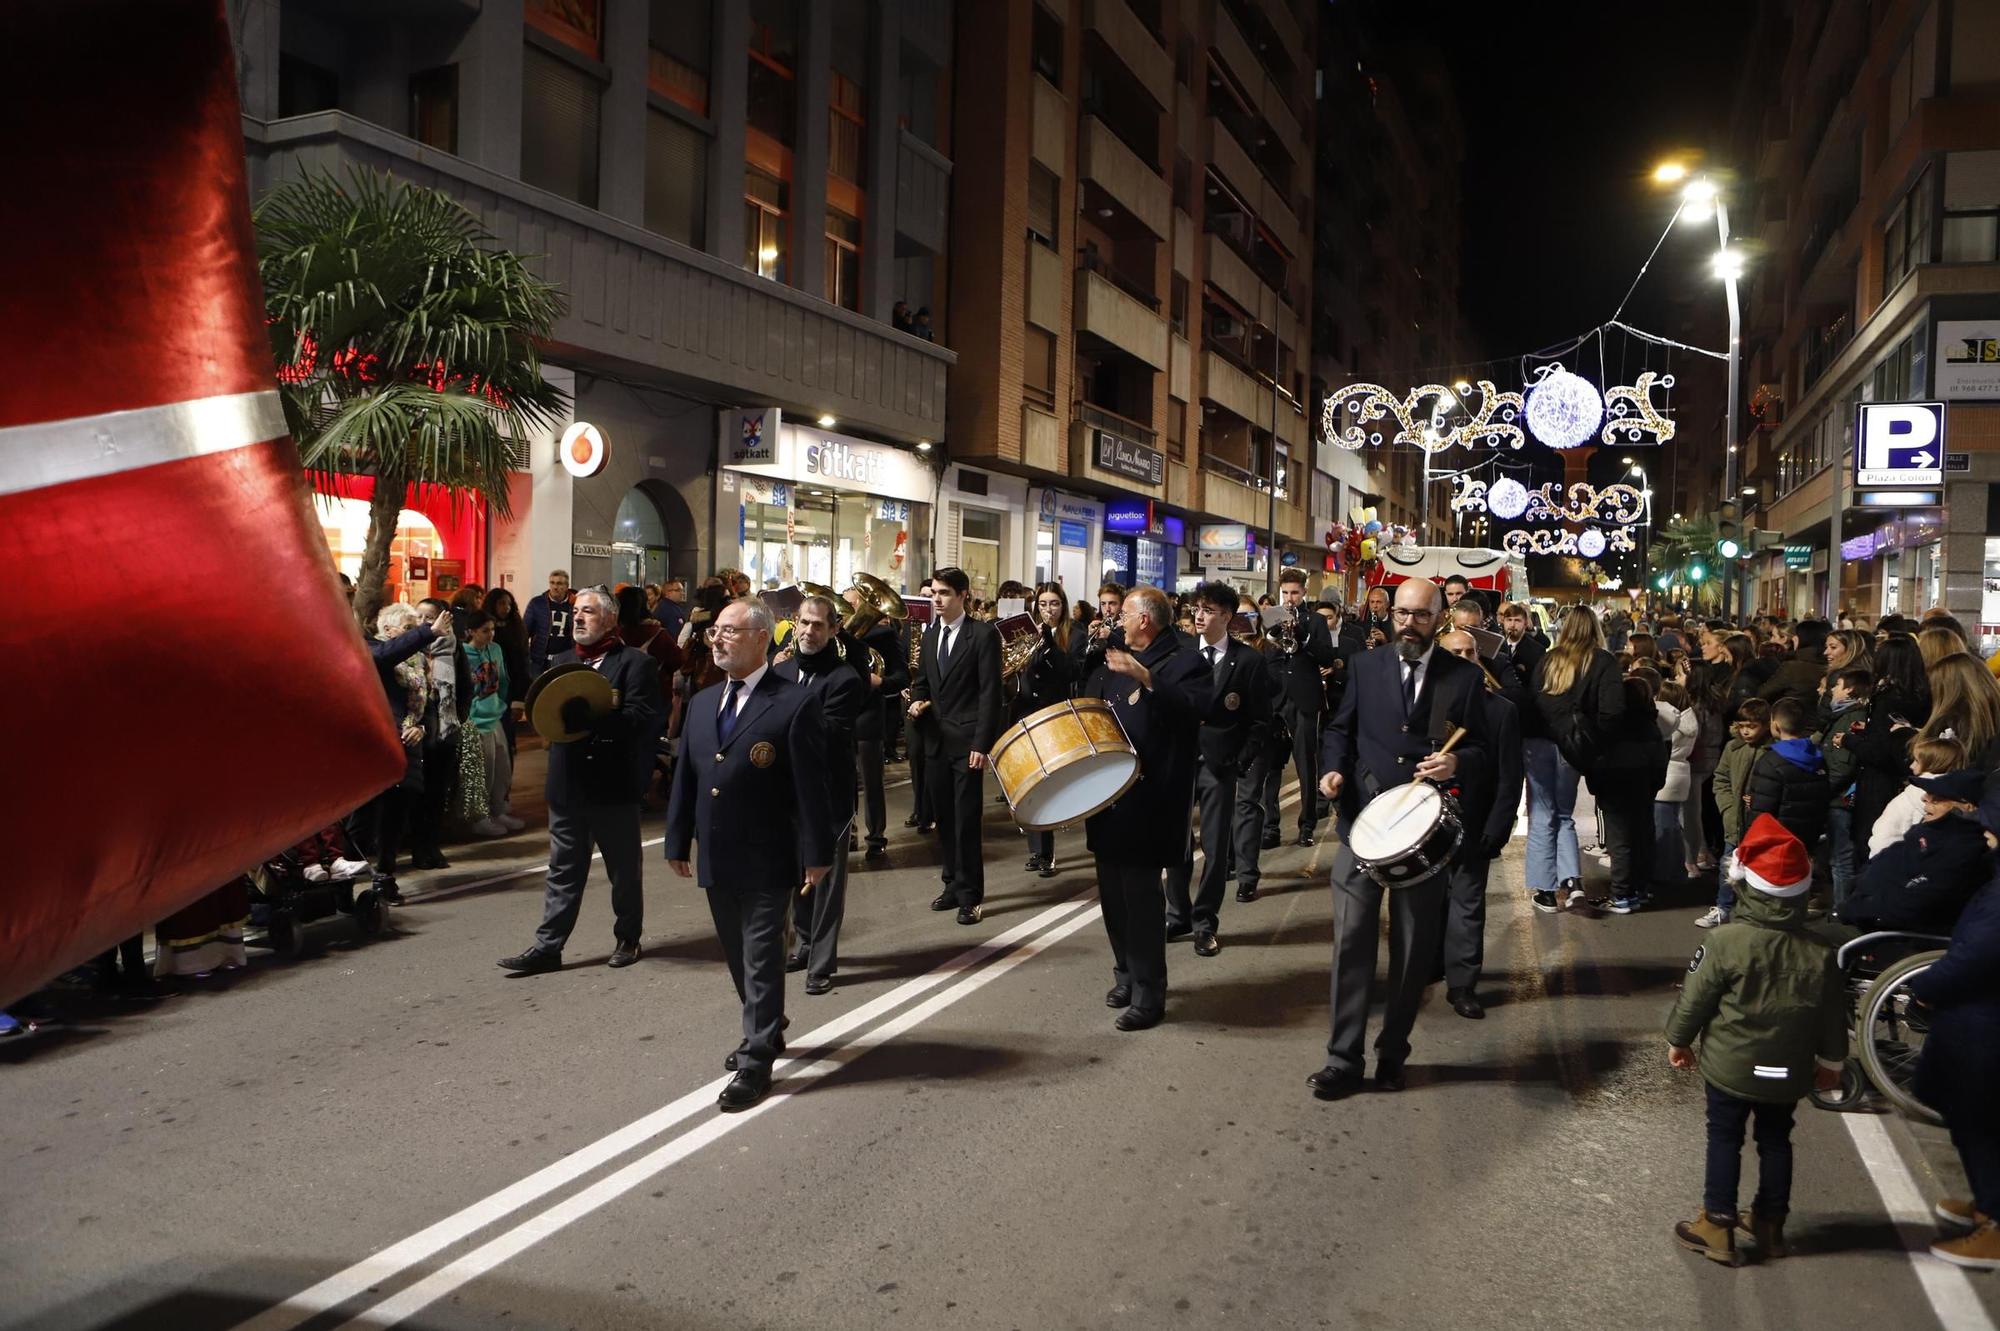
[744, 690]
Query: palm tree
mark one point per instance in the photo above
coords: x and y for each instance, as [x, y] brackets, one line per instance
[406, 345]
[1678, 545]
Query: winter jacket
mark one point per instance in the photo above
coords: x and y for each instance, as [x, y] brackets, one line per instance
[1882, 752]
[1766, 997]
[1797, 676]
[1959, 1071]
[1841, 762]
[1904, 812]
[1923, 881]
[551, 628]
[1732, 783]
[1712, 734]
[1598, 694]
[1788, 781]
[1680, 729]
[1634, 762]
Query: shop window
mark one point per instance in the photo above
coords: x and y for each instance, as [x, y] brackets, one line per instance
[677, 58]
[766, 204]
[639, 541]
[676, 178]
[844, 129]
[843, 260]
[1044, 213]
[434, 107]
[979, 550]
[793, 532]
[559, 127]
[1038, 367]
[1045, 47]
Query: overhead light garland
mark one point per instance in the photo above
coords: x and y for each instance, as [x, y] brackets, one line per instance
[1631, 412]
[1589, 543]
[1349, 413]
[1509, 500]
[1563, 409]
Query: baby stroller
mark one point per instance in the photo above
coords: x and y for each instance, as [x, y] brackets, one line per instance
[318, 878]
[1889, 1026]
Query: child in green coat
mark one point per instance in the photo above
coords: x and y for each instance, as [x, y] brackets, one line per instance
[1750, 735]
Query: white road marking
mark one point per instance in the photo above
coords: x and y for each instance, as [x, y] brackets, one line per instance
[398, 1258]
[413, 1300]
[1953, 1299]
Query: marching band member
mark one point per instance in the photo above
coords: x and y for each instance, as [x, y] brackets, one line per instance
[1302, 701]
[1160, 692]
[1049, 679]
[955, 714]
[1103, 633]
[1488, 796]
[1238, 718]
[1399, 707]
[842, 695]
[871, 727]
[754, 756]
[1263, 767]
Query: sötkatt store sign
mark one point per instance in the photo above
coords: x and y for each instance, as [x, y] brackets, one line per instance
[810, 456]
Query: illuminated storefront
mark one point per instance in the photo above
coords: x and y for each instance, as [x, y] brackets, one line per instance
[439, 545]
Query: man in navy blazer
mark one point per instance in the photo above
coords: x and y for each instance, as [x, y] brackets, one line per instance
[842, 695]
[1398, 709]
[955, 714]
[752, 762]
[1236, 722]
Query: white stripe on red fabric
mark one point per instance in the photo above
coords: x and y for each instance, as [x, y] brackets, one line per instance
[34, 457]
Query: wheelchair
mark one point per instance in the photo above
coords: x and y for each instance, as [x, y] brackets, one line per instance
[1889, 1026]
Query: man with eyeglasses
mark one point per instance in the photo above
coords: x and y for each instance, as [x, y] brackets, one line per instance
[750, 791]
[1399, 708]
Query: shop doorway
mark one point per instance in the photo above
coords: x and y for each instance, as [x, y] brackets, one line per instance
[639, 545]
[419, 563]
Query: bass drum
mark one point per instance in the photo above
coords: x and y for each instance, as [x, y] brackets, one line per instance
[1064, 763]
[1407, 835]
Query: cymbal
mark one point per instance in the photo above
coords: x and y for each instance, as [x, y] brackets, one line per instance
[555, 687]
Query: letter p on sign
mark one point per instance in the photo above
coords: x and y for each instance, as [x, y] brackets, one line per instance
[1899, 443]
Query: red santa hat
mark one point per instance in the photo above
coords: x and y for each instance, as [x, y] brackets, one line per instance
[1772, 860]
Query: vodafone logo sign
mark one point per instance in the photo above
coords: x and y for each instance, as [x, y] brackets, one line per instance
[582, 449]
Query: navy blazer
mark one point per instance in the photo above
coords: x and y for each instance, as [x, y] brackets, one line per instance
[1243, 692]
[842, 695]
[1297, 673]
[1148, 825]
[736, 799]
[1492, 790]
[964, 697]
[1374, 746]
[614, 764]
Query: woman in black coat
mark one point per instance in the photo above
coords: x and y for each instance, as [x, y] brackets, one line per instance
[1898, 707]
[1049, 679]
[399, 636]
[1578, 700]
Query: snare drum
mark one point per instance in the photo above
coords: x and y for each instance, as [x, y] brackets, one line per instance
[1407, 834]
[1064, 763]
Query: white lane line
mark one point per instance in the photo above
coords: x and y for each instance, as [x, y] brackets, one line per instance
[1953, 1299]
[413, 1300]
[401, 1256]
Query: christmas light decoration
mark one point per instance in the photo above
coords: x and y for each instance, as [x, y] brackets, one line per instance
[1563, 409]
[1353, 417]
[1631, 413]
[1590, 543]
[1546, 542]
[1509, 499]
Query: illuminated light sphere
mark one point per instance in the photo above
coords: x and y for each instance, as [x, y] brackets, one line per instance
[1564, 410]
[1591, 543]
[1507, 499]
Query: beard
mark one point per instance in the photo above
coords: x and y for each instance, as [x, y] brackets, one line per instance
[1410, 647]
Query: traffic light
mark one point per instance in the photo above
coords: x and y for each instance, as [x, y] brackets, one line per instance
[1664, 581]
[1696, 572]
[1727, 548]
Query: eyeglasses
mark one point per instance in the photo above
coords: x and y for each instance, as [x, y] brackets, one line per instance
[730, 632]
[1400, 613]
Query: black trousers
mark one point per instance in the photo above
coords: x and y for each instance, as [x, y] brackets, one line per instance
[1415, 916]
[1628, 835]
[1137, 927]
[1465, 917]
[1215, 805]
[381, 824]
[817, 915]
[868, 766]
[1251, 817]
[1727, 1116]
[920, 786]
[750, 924]
[958, 799]
[574, 830]
[440, 780]
[1304, 724]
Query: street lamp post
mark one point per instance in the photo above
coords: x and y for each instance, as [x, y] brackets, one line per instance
[1729, 267]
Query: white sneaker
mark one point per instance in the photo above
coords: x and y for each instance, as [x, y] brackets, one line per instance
[348, 868]
[315, 873]
[488, 828]
[509, 821]
[1716, 915]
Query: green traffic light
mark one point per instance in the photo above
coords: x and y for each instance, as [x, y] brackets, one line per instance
[1728, 549]
[1696, 573]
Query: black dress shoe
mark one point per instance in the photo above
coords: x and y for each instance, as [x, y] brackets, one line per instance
[876, 851]
[1048, 869]
[927, 828]
[1034, 862]
[1247, 893]
[1177, 929]
[386, 890]
[746, 1088]
[1465, 1003]
[532, 962]
[945, 900]
[819, 984]
[623, 955]
[911, 821]
[1270, 841]
[729, 1063]
[1331, 1083]
[971, 914]
[1389, 1077]
[1120, 995]
[1139, 1018]
[1206, 944]
[796, 961]
[1306, 837]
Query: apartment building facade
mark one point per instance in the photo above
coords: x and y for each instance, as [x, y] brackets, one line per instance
[1135, 336]
[1866, 149]
[739, 198]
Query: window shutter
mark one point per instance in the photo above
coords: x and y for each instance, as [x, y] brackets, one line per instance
[948, 539]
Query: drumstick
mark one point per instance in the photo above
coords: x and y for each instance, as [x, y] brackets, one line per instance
[1451, 741]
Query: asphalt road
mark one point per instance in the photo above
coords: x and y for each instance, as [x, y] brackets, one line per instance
[398, 1134]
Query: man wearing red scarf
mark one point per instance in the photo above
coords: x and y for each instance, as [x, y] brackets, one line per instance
[594, 788]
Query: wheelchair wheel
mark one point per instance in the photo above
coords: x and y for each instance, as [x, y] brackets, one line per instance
[1847, 1096]
[1890, 1033]
[371, 914]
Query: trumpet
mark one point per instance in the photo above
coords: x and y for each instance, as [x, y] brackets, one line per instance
[1286, 635]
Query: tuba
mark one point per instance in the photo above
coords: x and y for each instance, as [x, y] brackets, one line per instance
[1020, 641]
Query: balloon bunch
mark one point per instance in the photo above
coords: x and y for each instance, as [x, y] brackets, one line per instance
[1364, 539]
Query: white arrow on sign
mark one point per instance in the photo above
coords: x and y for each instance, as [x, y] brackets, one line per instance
[1923, 459]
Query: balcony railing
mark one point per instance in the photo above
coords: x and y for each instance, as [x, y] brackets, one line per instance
[1098, 418]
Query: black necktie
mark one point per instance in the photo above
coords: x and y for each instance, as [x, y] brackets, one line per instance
[1209, 652]
[1409, 688]
[725, 725]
